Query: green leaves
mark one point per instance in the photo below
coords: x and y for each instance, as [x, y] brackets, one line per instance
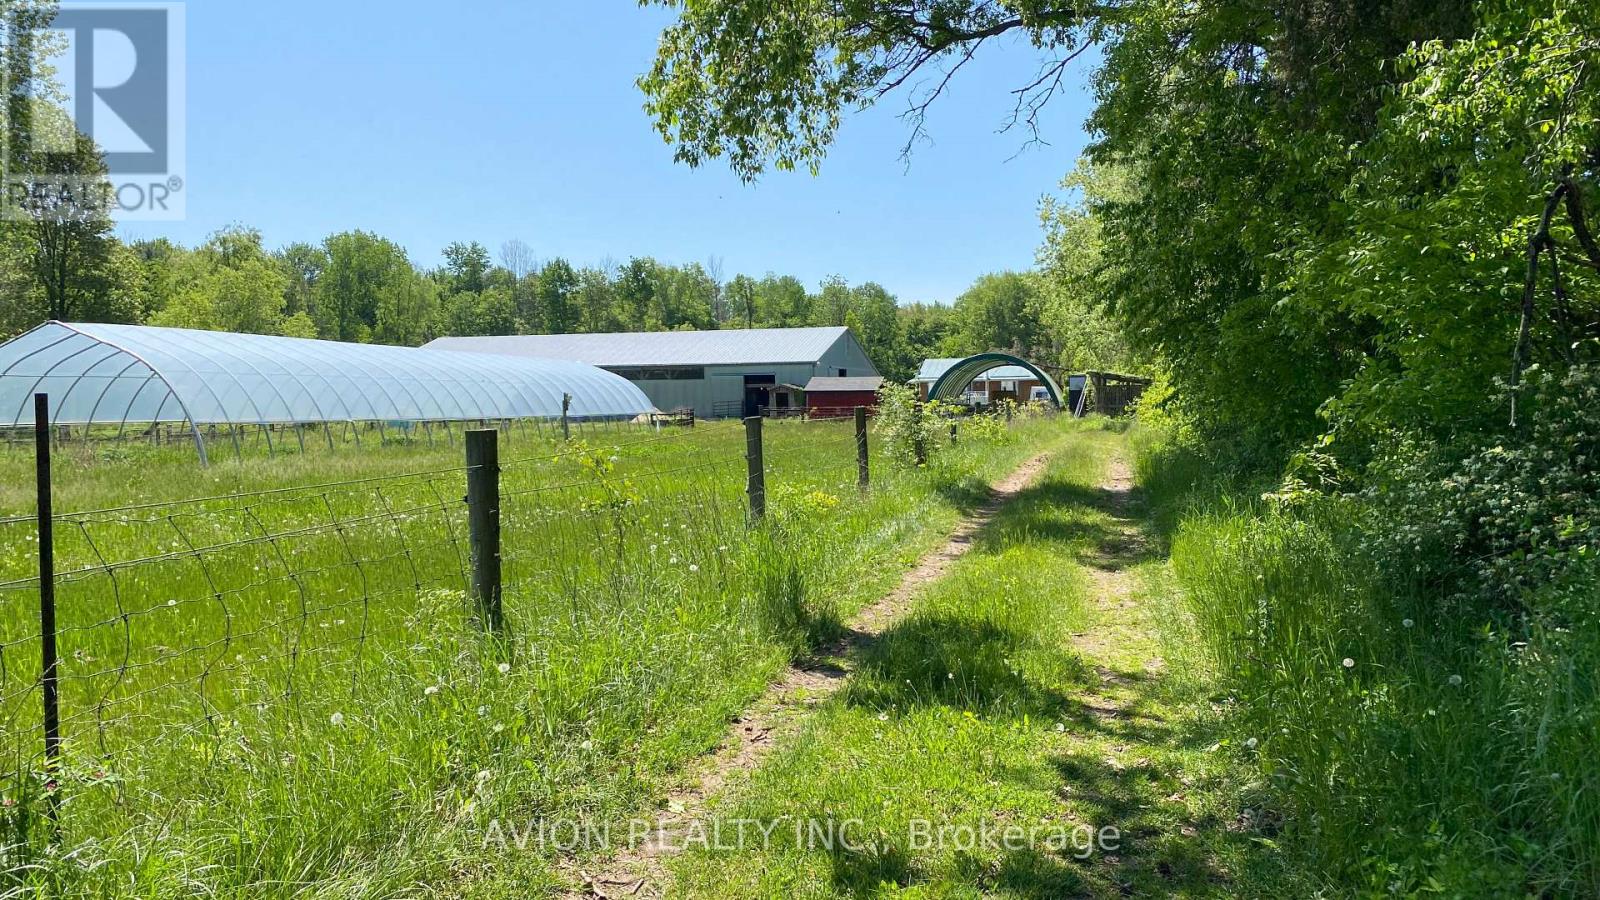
[766, 84]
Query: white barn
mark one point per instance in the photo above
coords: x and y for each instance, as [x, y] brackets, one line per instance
[718, 374]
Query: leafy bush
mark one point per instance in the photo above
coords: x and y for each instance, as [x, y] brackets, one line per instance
[991, 428]
[1410, 667]
[1509, 522]
[909, 428]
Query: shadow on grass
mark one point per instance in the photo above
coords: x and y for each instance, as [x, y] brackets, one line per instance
[966, 494]
[864, 874]
[960, 663]
[1071, 514]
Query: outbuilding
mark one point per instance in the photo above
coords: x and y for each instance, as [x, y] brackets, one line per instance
[833, 398]
[718, 374]
[1000, 383]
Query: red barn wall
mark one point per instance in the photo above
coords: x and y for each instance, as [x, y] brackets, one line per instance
[838, 403]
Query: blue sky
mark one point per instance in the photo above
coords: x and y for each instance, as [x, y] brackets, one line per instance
[433, 122]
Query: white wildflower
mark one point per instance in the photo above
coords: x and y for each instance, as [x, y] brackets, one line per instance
[336, 719]
[430, 690]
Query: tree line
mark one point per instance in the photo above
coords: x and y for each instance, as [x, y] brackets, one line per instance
[361, 287]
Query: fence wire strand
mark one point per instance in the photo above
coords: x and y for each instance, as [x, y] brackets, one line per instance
[179, 620]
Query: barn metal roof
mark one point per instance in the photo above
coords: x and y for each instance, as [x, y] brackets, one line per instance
[825, 384]
[732, 347]
[933, 369]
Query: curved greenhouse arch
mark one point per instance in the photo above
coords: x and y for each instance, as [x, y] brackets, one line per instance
[121, 375]
[955, 379]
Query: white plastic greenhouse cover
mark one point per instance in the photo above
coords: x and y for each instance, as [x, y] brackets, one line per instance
[122, 374]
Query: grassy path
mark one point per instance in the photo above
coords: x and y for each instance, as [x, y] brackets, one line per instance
[1017, 733]
[779, 712]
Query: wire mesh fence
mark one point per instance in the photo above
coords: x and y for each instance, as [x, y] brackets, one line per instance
[227, 630]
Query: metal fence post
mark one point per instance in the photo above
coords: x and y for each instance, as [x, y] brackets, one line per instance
[756, 486]
[952, 433]
[566, 405]
[483, 525]
[47, 597]
[863, 460]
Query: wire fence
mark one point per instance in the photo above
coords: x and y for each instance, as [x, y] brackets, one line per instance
[186, 630]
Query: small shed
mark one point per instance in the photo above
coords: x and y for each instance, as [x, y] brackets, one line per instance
[781, 401]
[833, 398]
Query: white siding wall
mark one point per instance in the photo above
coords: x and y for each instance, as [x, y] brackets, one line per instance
[724, 385]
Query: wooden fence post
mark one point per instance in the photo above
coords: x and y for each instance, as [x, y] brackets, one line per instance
[756, 486]
[483, 525]
[863, 459]
[566, 406]
[48, 679]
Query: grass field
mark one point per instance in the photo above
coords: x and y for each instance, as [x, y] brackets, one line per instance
[262, 692]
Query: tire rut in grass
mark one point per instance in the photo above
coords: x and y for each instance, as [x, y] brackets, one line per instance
[1112, 592]
[640, 872]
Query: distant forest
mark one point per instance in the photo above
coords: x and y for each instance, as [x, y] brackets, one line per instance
[358, 286]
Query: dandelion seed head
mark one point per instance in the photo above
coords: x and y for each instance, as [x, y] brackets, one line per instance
[336, 719]
[504, 668]
[1349, 663]
[430, 690]
[1455, 680]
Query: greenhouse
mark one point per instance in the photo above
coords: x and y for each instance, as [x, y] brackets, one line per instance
[137, 379]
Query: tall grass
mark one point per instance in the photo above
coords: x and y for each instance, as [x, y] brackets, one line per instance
[1406, 744]
[347, 731]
